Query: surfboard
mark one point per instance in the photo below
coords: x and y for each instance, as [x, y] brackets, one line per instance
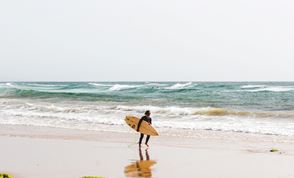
[145, 127]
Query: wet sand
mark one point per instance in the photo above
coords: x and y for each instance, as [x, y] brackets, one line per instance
[34, 152]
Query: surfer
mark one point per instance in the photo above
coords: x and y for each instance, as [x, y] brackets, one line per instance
[148, 119]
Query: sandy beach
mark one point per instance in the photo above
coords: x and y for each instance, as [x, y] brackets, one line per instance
[34, 152]
[81, 83]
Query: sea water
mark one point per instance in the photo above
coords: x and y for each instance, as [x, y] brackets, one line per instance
[248, 107]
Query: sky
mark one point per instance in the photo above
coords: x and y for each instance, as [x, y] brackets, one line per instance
[147, 40]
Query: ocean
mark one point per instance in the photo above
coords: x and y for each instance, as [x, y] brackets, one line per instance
[249, 107]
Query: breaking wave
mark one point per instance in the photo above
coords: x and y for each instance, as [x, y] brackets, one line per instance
[205, 111]
[179, 86]
[262, 107]
[90, 116]
[273, 89]
[118, 87]
[252, 86]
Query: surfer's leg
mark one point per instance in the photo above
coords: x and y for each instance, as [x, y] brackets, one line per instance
[147, 154]
[141, 138]
[140, 154]
[147, 139]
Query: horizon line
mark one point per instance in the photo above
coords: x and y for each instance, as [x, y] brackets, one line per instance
[199, 81]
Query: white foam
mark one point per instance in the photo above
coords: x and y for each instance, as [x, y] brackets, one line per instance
[229, 124]
[10, 85]
[166, 111]
[261, 88]
[118, 87]
[44, 85]
[252, 86]
[178, 86]
[96, 84]
[89, 115]
[99, 84]
[90, 121]
[273, 89]
[155, 84]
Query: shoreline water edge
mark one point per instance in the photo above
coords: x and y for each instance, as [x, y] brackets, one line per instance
[73, 130]
[248, 107]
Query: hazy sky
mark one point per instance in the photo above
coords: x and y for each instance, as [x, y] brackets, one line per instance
[95, 40]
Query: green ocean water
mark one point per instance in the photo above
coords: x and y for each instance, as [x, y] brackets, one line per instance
[257, 107]
[254, 95]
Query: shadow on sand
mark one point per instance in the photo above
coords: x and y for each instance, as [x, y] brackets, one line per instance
[140, 168]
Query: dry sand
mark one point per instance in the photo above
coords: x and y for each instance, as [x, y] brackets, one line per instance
[39, 152]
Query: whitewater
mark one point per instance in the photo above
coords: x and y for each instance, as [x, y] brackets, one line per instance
[247, 107]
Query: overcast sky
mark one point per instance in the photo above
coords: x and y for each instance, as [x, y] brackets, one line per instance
[146, 40]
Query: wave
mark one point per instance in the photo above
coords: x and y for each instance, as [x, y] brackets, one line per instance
[185, 94]
[119, 87]
[9, 84]
[63, 94]
[32, 86]
[179, 86]
[252, 86]
[100, 84]
[45, 85]
[12, 85]
[171, 110]
[91, 117]
[155, 84]
[165, 112]
[87, 115]
[251, 114]
[204, 111]
[273, 89]
[96, 84]
[263, 88]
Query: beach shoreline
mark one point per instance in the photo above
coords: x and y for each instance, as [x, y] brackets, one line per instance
[32, 152]
[249, 107]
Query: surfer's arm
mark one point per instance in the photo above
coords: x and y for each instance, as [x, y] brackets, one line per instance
[139, 124]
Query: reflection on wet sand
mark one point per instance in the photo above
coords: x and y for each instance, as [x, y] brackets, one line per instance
[140, 168]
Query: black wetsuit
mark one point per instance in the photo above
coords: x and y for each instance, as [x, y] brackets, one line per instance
[149, 120]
